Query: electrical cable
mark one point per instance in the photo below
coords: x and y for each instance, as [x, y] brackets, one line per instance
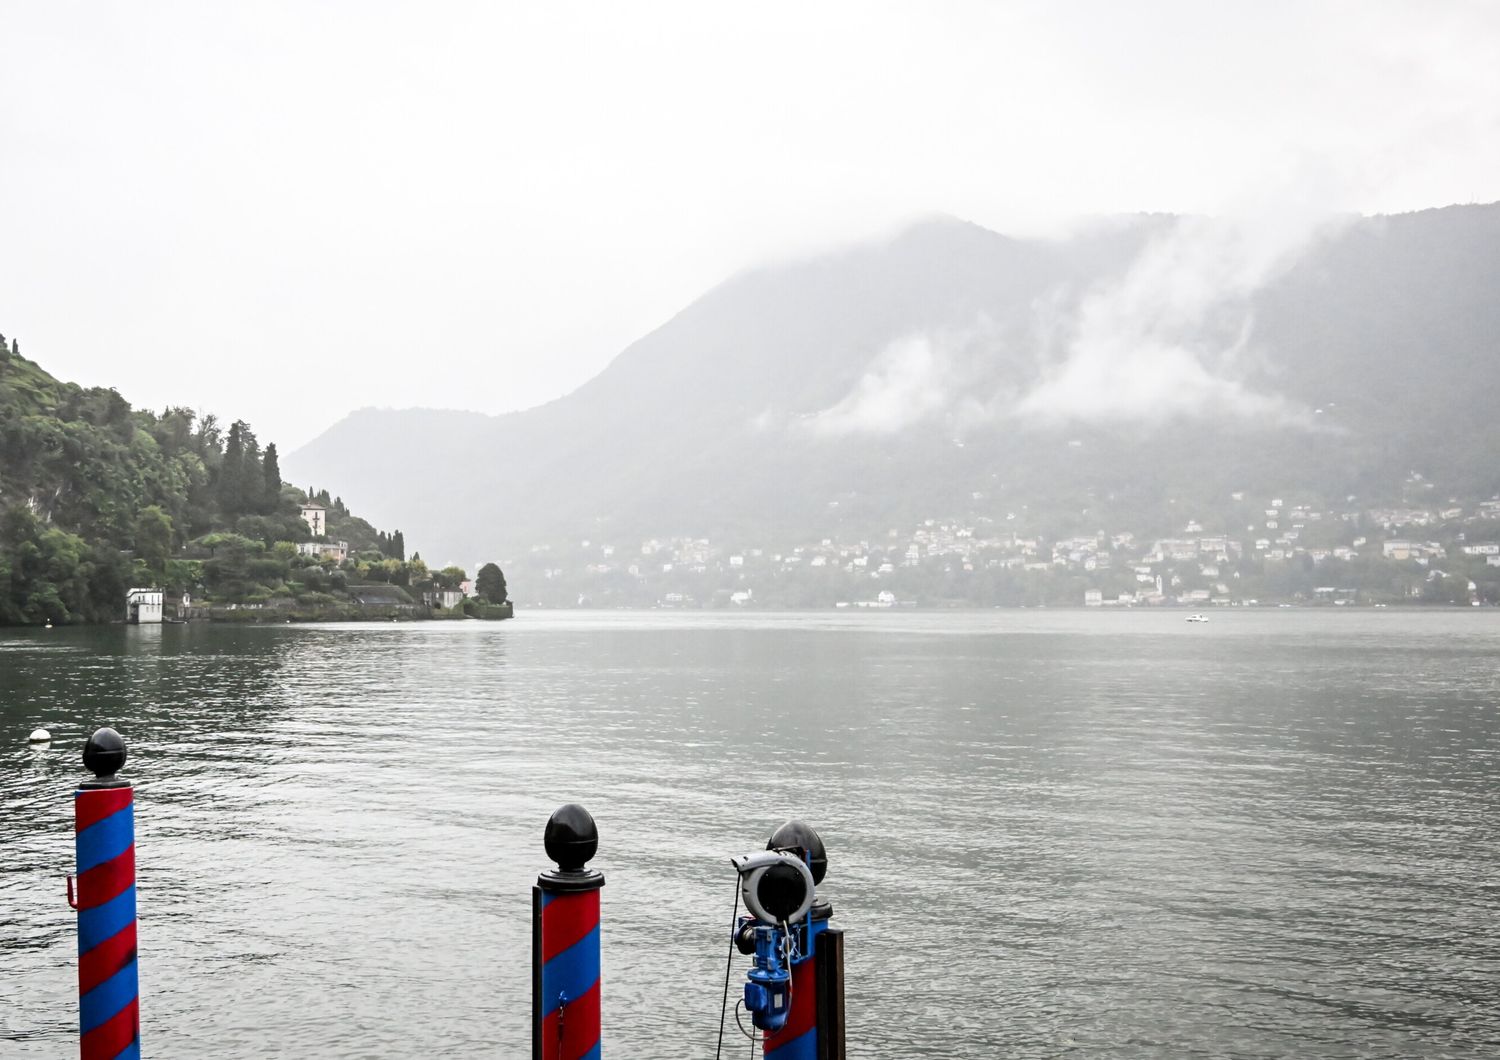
[728, 965]
[741, 1025]
[788, 950]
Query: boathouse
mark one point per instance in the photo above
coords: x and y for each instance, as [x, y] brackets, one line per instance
[143, 606]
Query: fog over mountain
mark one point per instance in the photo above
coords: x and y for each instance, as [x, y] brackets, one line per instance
[951, 369]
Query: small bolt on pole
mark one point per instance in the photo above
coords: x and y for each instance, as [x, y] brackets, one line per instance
[795, 992]
[109, 1019]
[565, 967]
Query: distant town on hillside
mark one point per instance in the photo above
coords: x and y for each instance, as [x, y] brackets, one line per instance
[1254, 551]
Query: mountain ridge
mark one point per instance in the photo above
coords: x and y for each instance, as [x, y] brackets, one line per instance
[899, 370]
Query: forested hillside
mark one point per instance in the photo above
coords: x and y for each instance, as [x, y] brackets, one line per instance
[96, 496]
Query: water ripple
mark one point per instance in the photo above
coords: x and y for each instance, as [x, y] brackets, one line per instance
[1050, 834]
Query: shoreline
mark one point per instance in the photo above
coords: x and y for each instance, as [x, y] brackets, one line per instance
[244, 616]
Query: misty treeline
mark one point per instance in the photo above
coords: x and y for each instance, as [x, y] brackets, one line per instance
[96, 496]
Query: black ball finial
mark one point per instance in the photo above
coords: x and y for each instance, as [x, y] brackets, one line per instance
[800, 835]
[571, 838]
[104, 753]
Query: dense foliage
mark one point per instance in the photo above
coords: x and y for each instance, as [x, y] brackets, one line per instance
[490, 584]
[96, 497]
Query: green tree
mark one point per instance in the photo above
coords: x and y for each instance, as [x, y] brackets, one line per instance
[315, 578]
[490, 584]
[232, 470]
[252, 482]
[153, 538]
[271, 478]
[269, 529]
[49, 573]
[1449, 588]
[226, 572]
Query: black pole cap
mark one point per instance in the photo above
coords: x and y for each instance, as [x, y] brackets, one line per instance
[571, 837]
[104, 753]
[799, 835]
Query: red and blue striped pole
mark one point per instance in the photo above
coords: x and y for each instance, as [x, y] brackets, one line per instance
[814, 1028]
[109, 1017]
[798, 1037]
[565, 969]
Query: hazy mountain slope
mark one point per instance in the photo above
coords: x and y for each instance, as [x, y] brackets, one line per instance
[899, 378]
[407, 460]
[676, 407]
[1398, 323]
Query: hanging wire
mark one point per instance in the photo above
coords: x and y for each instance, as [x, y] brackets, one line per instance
[788, 951]
[738, 1006]
[729, 964]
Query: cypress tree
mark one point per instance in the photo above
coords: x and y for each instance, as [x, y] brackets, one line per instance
[271, 473]
[232, 472]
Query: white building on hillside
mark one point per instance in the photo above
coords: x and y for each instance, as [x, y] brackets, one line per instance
[316, 518]
[338, 551]
[143, 606]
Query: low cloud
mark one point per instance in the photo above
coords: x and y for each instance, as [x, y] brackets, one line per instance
[909, 380]
[1168, 339]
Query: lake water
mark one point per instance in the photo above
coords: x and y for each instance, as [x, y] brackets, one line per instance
[1049, 833]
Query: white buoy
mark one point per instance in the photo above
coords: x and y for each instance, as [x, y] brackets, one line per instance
[40, 736]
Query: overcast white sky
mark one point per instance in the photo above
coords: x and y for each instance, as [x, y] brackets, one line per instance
[285, 211]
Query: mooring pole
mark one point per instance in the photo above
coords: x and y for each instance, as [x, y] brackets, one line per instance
[828, 970]
[109, 1018]
[814, 1028]
[565, 990]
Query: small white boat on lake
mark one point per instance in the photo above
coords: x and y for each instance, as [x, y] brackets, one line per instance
[1198, 616]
